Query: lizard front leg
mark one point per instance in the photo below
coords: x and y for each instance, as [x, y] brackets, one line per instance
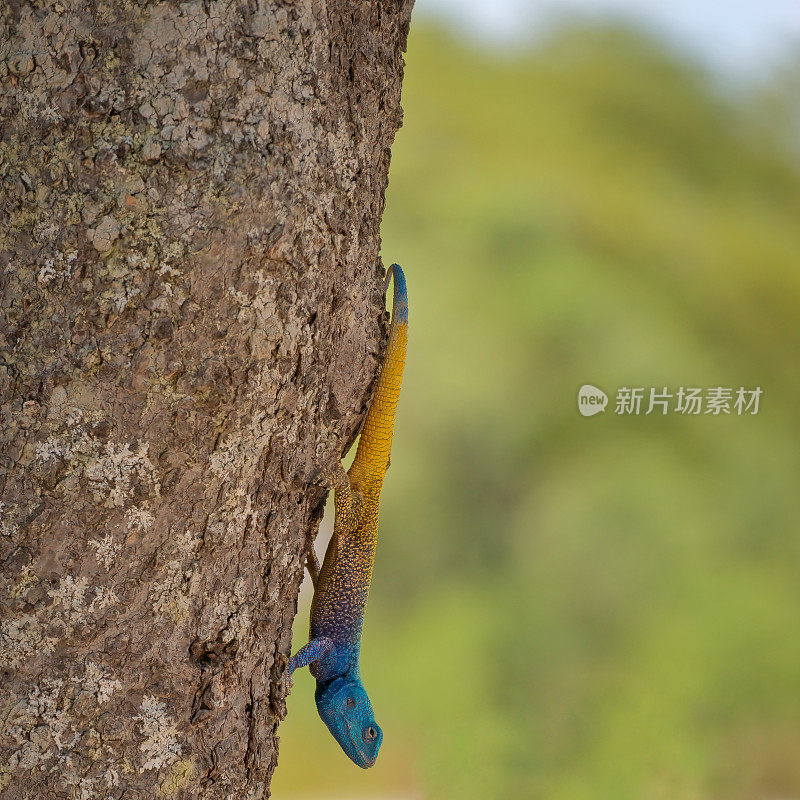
[309, 653]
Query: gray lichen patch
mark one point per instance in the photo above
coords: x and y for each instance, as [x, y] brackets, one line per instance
[35, 634]
[48, 723]
[23, 639]
[160, 746]
[114, 470]
[106, 550]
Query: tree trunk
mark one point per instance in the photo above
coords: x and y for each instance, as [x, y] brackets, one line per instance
[191, 325]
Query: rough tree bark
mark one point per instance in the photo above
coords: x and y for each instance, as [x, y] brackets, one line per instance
[191, 323]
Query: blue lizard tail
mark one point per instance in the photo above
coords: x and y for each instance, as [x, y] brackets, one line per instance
[400, 302]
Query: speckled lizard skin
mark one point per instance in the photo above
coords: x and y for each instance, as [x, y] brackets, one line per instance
[341, 590]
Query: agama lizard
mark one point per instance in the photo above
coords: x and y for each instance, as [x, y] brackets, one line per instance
[341, 589]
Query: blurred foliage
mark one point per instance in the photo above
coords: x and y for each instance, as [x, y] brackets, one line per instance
[570, 608]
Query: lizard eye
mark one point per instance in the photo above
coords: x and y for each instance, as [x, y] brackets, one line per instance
[370, 733]
[351, 703]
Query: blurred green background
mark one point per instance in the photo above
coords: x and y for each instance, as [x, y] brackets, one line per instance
[568, 607]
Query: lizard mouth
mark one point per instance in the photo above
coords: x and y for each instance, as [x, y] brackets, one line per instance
[363, 761]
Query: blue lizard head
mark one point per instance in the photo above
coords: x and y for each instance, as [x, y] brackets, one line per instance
[345, 708]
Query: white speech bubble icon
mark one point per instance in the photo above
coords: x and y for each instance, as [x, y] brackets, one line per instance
[591, 400]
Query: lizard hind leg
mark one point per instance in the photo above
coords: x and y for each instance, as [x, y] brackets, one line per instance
[312, 565]
[338, 480]
[346, 497]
